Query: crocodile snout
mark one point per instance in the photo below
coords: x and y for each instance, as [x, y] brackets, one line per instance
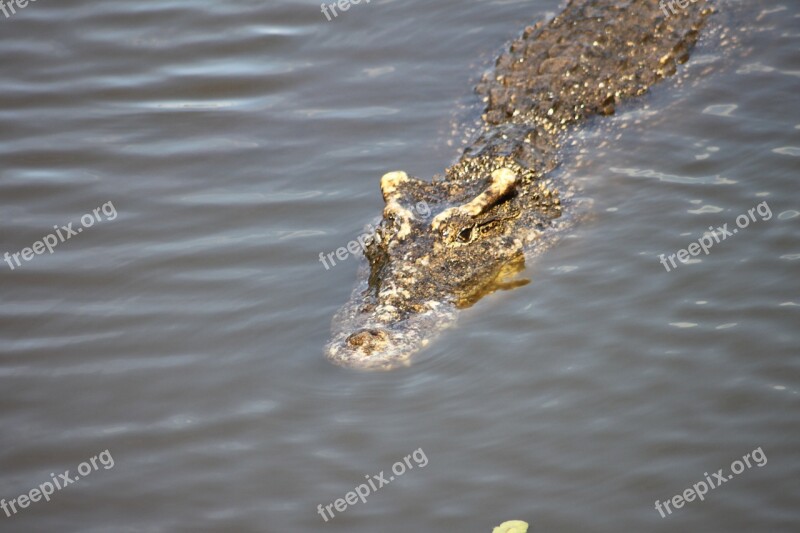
[362, 340]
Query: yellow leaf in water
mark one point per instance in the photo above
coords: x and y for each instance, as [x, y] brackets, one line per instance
[512, 526]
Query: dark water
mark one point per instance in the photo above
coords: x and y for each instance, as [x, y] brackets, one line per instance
[235, 141]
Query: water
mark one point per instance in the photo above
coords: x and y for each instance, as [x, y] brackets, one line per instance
[237, 141]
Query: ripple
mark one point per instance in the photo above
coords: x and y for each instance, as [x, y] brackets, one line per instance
[705, 209]
[352, 113]
[661, 176]
[754, 67]
[788, 150]
[378, 71]
[188, 105]
[721, 110]
[242, 199]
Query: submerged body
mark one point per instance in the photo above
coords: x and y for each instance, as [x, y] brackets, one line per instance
[496, 206]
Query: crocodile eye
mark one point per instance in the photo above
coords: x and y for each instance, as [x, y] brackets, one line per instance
[465, 234]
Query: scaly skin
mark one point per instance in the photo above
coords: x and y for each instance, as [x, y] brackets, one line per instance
[496, 205]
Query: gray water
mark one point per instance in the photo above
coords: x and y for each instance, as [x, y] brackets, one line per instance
[235, 141]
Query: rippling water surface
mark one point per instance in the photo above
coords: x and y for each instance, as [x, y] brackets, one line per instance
[236, 141]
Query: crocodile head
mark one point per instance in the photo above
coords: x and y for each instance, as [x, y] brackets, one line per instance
[439, 247]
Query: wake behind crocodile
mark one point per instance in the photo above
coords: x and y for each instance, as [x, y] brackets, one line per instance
[501, 203]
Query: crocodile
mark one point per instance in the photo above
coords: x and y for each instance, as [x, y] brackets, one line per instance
[498, 204]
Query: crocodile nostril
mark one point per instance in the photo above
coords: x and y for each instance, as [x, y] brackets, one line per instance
[368, 339]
